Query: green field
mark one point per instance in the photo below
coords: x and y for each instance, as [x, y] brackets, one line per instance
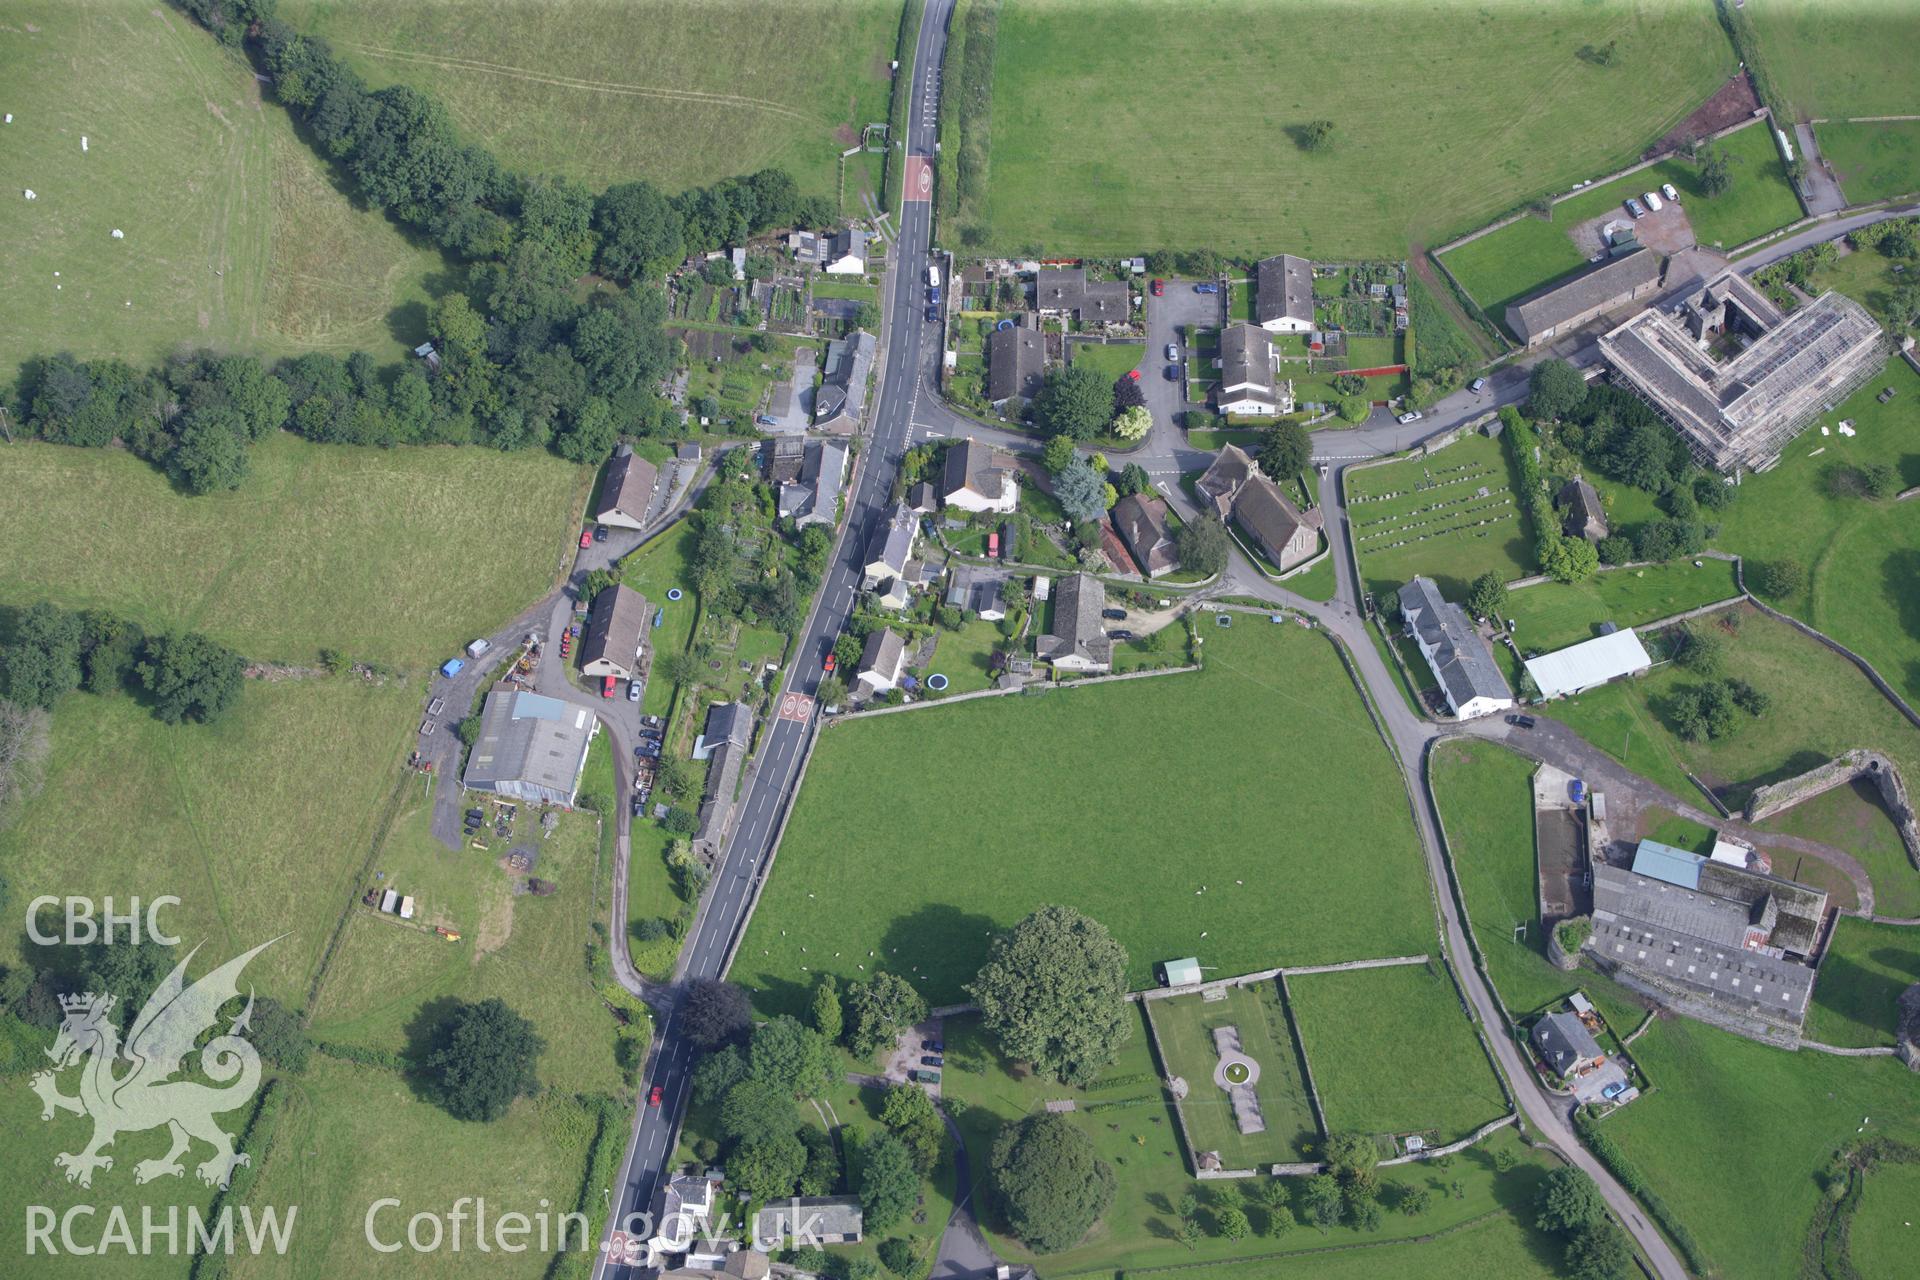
[237, 237]
[1821, 706]
[1867, 276]
[1183, 1028]
[1486, 800]
[1132, 1128]
[1875, 161]
[353, 1135]
[1116, 143]
[524, 949]
[258, 823]
[1882, 1239]
[683, 93]
[1504, 266]
[1355, 1024]
[1855, 818]
[1845, 62]
[1095, 807]
[395, 555]
[1552, 615]
[1865, 969]
[1500, 1244]
[1725, 1103]
[1427, 516]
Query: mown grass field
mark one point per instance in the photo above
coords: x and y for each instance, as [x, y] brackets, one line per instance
[1875, 161]
[395, 555]
[1185, 108]
[1132, 1128]
[1504, 266]
[1866, 968]
[352, 1135]
[527, 950]
[1854, 818]
[1184, 1030]
[1821, 706]
[1096, 808]
[680, 92]
[1552, 615]
[258, 823]
[236, 236]
[1428, 516]
[1503, 1244]
[1881, 1241]
[1723, 1103]
[1356, 1022]
[1840, 62]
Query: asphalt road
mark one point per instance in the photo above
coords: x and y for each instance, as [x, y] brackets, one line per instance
[745, 860]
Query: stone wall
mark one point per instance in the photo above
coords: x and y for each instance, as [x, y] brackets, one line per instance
[1779, 796]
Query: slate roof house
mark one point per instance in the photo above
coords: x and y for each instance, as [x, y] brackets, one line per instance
[813, 495]
[531, 747]
[979, 478]
[1582, 515]
[1461, 660]
[1067, 292]
[1141, 521]
[977, 590]
[882, 661]
[1570, 302]
[1738, 403]
[1237, 490]
[1247, 380]
[1078, 642]
[1283, 294]
[1709, 938]
[841, 397]
[728, 734]
[1016, 364]
[889, 547]
[839, 253]
[616, 628]
[823, 1219]
[1565, 1044]
[627, 492]
[681, 1207]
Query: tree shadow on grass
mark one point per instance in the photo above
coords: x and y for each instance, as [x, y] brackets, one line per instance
[1900, 583]
[425, 1032]
[937, 947]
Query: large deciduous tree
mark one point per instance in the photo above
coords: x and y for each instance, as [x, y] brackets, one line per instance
[1053, 991]
[877, 1009]
[1202, 545]
[190, 677]
[1051, 1185]
[715, 1012]
[1555, 389]
[485, 1059]
[1075, 401]
[1285, 450]
[889, 1182]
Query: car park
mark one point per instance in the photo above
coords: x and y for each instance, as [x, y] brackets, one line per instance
[1666, 189]
[1634, 207]
[1477, 386]
[1159, 287]
[1653, 201]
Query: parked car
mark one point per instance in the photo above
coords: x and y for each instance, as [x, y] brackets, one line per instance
[1477, 385]
[1172, 373]
[932, 1045]
[1209, 287]
[633, 691]
[1614, 1090]
[926, 1077]
[600, 533]
[1411, 415]
[1634, 207]
[1159, 287]
[1653, 202]
[654, 1095]
[586, 539]
[933, 315]
[830, 664]
[1134, 374]
[606, 687]
[1524, 722]
[1666, 189]
[1119, 633]
[1578, 790]
[1173, 351]
[931, 1060]
[639, 807]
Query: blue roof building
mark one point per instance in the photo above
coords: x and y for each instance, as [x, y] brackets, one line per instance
[1658, 861]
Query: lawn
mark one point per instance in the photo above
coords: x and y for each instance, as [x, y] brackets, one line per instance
[352, 1135]
[1354, 1024]
[1875, 161]
[1183, 1029]
[1112, 360]
[1868, 276]
[691, 92]
[1552, 615]
[236, 236]
[1505, 108]
[962, 655]
[1317, 583]
[850, 287]
[1329, 869]
[1504, 266]
[1881, 1238]
[1451, 516]
[1840, 62]
[258, 823]
[1127, 1118]
[528, 950]
[394, 555]
[1725, 1103]
[655, 569]
[1821, 706]
[1855, 818]
[1865, 969]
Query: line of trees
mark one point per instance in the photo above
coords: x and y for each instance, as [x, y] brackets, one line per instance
[53, 651]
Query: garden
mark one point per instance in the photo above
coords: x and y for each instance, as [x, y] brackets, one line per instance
[1183, 1030]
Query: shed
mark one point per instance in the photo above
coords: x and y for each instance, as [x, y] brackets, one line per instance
[1589, 664]
[1183, 973]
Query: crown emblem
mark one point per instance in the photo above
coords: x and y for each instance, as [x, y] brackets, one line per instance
[86, 1002]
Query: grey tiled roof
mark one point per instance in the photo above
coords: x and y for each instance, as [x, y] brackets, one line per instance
[1246, 357]
[1598, 286]
[629, 486]
[1283, 288]
[615, 626]
[1015, 360]
[1564, 1041]
[1461, 660]
[1077, 629]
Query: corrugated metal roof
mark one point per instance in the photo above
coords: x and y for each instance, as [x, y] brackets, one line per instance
[1181, 973]
[1664, 862]
[1587, 664]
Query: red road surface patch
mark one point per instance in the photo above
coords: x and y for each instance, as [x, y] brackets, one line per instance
[797, 707]
[919, 179]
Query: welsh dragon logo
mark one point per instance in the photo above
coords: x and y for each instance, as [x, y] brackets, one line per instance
[148, 1096]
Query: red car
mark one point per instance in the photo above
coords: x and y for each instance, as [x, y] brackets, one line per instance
[606, 687]
[1134, 374]
[653, 1097]
[830, 663]
[1159, 288]
[586, 539]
